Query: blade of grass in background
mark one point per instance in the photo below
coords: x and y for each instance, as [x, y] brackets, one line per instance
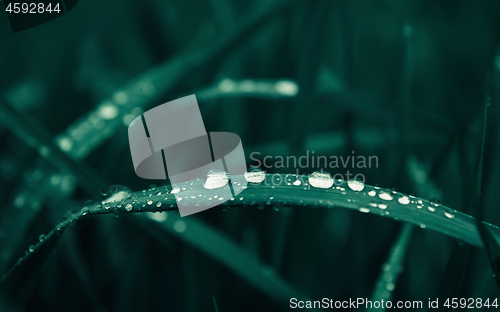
[33, 134]
[392, 267]
[491, 245]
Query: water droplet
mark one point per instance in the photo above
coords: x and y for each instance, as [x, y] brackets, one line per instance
[372, 193]
[297, 183]
[255, 176]
[216, 179]
[435, 201]
[385, 196]
[175, 190]
[382, 206]
[320, 180]
[158, 204]
[128, 207]
[364, 210]
[31, 248]
[423, 226]
[41, 238]
[449, 214]
[85, 211]
[430, 208]
[356, 185]
[115, 193]
[150, 202]
[404, 200]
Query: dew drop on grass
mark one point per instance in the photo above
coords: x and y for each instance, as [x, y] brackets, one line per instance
[115, 193]
[128, 207]
[255, 176]
[372, 193]
[404, 200]
[449, 214]
[431, 209]
[158, 204]
[385, 196]
[175, 190]
[150, 202]
[321, 180]
[41, 238]
[84, 211]
[32, 248]
[297, 183]
[382, 206]
[216, 179]
[364, 210]
[356, 185]
[435, 201]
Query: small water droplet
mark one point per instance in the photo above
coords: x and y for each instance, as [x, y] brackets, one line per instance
[41, 238]
[216, 179]
[435, 201]
[257, 175]
[385, 196]
[404, 200]
[150, 202]
[372, 193]
[175, 190]
[84, 211]
[430, 208]
[31, 248]
[356, 185]
[364, 210]
[382, 206]
[449, 214]
[297, 183]
[128, 207]
[158, 204]
[320, 180]
[423, 226]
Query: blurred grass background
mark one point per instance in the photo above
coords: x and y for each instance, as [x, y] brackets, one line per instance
[402, 80]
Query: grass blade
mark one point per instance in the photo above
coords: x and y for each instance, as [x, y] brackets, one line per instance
[381, 202]
[392, 267]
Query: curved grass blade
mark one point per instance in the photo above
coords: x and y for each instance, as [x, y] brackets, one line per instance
[491, 245]
[215, 304]
[392, 267]
[374, 200]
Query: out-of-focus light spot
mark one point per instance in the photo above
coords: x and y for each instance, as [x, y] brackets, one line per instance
[108, 111]
[120, 97]
[65, 143]
[286, 87]
[227, 85]
[159, 217]
[180, 226]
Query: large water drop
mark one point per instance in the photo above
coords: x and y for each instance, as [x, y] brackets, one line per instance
[216, 179]
[321, 180]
